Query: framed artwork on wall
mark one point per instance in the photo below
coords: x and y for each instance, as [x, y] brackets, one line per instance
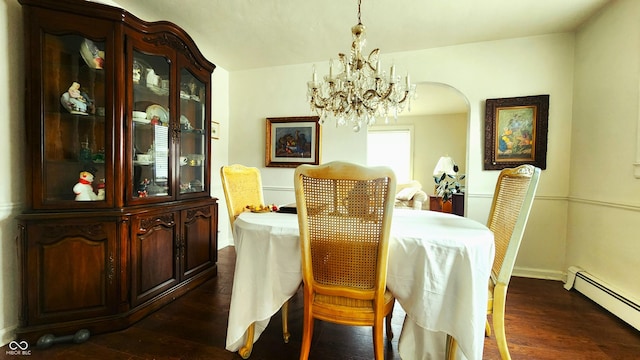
[516, 132]
[292, 141]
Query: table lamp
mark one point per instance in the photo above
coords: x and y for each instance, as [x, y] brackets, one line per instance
[445, 165]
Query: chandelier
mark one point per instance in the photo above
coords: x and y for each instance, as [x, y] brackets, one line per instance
[361, 92]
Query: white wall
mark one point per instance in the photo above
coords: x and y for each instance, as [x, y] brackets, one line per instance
[435, 136]
[517, 67]
[604, 211]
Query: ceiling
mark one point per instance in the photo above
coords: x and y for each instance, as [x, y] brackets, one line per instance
[247, 34]
[262, 33]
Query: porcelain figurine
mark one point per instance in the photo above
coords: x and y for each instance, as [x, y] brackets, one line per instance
[74, 101]
[84, 188]
[143, 188]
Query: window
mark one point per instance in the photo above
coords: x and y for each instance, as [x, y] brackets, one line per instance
[392, 146]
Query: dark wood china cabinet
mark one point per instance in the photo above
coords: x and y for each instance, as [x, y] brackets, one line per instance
[120, 219]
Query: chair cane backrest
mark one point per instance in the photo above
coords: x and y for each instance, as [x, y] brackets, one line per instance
[512, 201]
[344, 214]
[242, 186]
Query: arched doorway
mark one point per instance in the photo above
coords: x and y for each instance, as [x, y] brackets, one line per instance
[439, 119]
[440, 114]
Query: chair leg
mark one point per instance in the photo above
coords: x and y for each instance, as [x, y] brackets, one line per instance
[378, 348]
[499, 302]
[307, 333]
[389, 329]
[487, 328]
[245, 351]
[452, 347]
[285, 322]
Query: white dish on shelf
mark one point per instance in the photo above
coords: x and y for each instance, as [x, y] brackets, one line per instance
[158, 111]
[142, 121]
[139, 115]
[137, 162]
[158, 90]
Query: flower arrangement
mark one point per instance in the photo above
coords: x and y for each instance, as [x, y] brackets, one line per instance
[447, 184]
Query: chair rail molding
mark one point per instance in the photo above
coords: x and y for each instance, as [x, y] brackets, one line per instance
[616, 205]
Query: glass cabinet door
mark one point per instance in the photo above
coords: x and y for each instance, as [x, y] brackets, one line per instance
[74, 125]
[193, 134]
[151, 124]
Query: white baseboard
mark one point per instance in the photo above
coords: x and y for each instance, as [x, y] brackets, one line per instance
[539, 274]
[614, 300]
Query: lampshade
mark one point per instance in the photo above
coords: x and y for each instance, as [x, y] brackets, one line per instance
[445, 165]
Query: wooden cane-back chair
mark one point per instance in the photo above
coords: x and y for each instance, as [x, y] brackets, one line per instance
[344, 214]
[242, 186]
[512, 201]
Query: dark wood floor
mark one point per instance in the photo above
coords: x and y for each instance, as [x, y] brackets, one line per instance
[543, 321]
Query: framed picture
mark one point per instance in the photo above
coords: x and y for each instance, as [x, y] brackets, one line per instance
[516, 132]
[215, 130]
[292, 141]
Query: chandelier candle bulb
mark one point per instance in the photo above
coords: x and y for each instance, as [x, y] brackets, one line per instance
[392, 74]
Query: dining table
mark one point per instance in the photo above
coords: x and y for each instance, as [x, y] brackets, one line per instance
[438, 270]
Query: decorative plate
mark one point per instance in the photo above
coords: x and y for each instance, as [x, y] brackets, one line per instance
[158, 111]
[91, 55]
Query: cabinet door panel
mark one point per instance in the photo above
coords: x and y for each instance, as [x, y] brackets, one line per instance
[194, 136]
[73, 266]
[151, 120]
[73, 92]
[154, 255]
[199, 239]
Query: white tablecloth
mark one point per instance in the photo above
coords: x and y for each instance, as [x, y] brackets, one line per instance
[439, 265]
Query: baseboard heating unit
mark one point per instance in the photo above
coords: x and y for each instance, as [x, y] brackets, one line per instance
[613, 300]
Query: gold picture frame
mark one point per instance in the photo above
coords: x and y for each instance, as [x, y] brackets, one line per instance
[516, 132]
[292, 141]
